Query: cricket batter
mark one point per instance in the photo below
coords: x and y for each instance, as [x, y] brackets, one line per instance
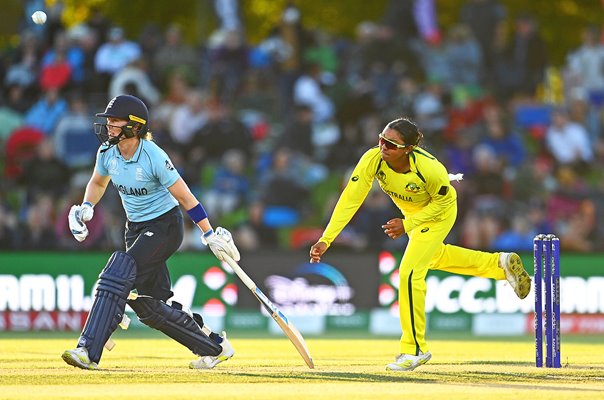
[419, 185]
[151, 190]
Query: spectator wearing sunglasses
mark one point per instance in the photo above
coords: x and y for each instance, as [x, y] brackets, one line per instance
[420, 187]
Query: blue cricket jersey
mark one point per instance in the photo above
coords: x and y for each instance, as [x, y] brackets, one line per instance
[141, 181]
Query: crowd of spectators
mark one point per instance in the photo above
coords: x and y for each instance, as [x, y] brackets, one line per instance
[266, 134]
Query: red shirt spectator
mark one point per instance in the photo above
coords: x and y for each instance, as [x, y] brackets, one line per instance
[55, 75]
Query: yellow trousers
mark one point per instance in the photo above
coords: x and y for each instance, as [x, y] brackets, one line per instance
[425, 251]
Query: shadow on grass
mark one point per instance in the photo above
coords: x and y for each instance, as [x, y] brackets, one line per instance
[344, 377]
[525, 381]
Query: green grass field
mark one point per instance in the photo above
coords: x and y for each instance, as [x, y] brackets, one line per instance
[270, 368]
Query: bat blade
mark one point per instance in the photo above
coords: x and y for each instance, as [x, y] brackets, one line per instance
[296, 338]
[287, 327]
[284, 323]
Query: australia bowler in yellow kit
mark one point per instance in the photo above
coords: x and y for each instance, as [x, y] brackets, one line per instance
[419, 185]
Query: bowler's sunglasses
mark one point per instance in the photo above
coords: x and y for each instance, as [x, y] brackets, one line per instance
[390, 145]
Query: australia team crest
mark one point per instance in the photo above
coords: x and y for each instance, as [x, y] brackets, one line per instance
[412, 187]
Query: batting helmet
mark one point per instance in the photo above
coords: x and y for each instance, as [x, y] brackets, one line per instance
[129, 108]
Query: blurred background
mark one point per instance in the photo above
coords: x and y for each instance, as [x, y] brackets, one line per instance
[265, 107]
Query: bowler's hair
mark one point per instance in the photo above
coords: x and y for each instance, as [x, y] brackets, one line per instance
[407, 130]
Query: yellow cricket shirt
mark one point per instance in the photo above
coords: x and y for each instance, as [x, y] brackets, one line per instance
[424, 194]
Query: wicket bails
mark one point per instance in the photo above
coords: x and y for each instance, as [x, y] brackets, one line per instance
[546, 262]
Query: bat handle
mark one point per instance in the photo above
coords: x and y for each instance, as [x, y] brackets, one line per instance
[240, 273]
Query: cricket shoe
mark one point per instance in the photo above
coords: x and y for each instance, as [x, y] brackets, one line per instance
[515, 273]
[209, 362]
[408, 362]
[79, 358]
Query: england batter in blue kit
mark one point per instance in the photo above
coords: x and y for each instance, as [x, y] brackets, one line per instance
[151, 191]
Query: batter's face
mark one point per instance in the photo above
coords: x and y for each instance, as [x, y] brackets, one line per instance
[114, 126]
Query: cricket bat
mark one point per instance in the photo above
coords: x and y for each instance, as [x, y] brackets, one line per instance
[286, 325]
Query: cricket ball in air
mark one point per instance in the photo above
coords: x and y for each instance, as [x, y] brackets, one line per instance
[39, 17]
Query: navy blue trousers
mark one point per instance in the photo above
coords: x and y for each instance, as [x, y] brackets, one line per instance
[151, 243]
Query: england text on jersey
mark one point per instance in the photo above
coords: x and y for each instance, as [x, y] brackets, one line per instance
[130, 190]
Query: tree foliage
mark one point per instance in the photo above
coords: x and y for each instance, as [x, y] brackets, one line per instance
[560, 21]
[336, 17]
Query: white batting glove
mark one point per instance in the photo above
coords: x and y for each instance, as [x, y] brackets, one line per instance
[86, 211]
[78, 216]
[221, 243]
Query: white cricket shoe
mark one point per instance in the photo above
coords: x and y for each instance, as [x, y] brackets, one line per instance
[408, 362]
[209, 362]
[79, 358]
[515, 274]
